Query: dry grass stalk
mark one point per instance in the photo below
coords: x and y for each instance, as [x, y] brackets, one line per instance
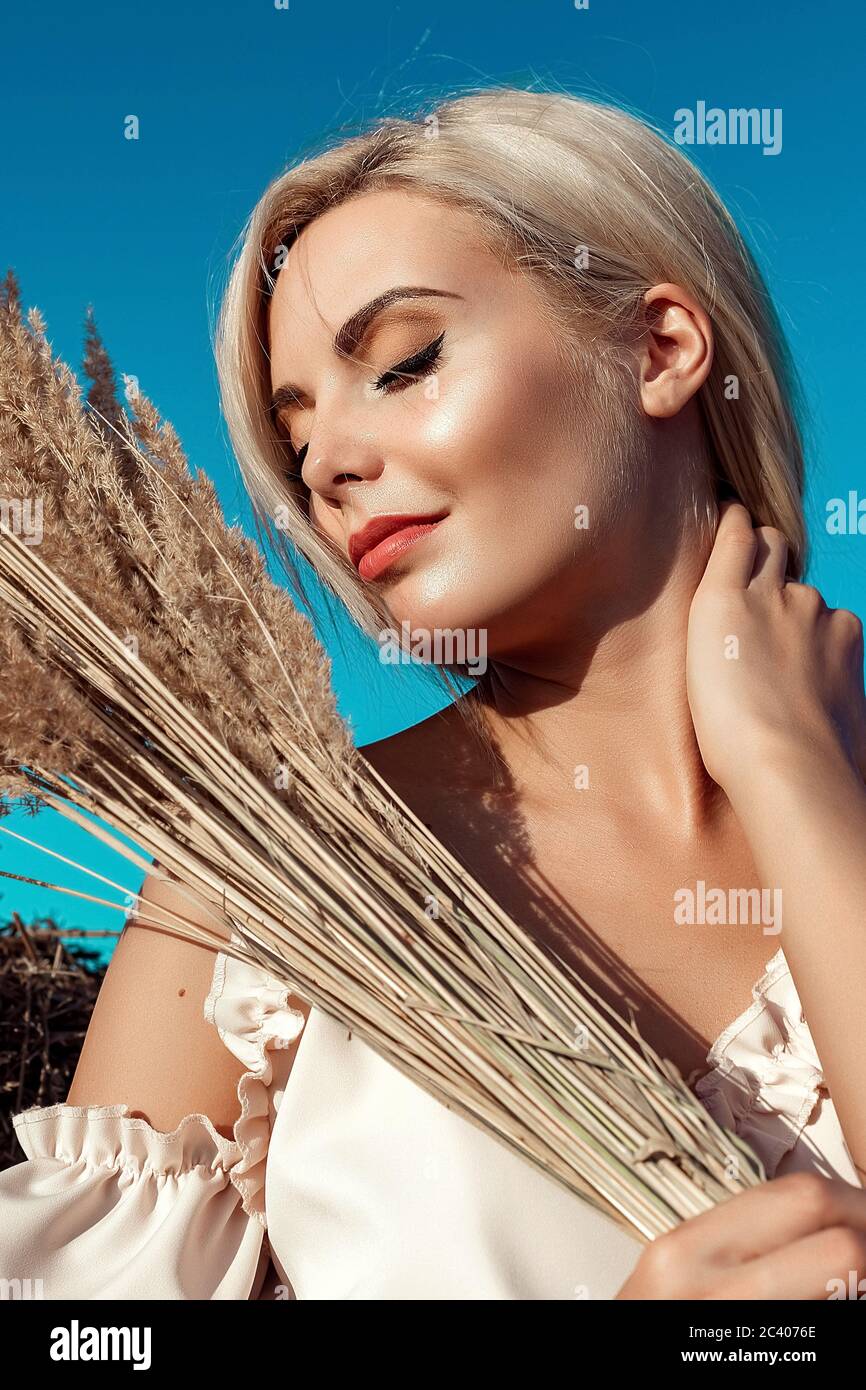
[169, 679]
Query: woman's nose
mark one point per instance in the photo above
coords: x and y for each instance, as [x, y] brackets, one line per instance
[334, 465]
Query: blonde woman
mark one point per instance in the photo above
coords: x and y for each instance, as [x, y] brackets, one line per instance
[508, 369]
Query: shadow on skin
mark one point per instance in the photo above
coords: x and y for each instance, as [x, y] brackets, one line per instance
[486, 832]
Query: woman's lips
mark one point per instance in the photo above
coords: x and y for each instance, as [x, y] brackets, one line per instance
[373, 562]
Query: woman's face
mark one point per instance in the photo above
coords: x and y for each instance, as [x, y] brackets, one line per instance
[478, 439]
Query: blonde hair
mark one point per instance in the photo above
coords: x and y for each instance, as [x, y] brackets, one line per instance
[543, 173]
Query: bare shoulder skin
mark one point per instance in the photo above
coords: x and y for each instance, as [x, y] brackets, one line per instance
[148, 1042]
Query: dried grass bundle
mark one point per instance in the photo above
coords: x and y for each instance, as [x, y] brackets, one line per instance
[174, 691]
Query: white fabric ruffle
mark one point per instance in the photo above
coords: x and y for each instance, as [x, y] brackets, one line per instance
[106, 1206]
[766, 1076]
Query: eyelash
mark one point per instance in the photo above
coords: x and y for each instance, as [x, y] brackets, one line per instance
[419, 365]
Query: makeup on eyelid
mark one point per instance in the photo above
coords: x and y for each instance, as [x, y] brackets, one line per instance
[405, 373]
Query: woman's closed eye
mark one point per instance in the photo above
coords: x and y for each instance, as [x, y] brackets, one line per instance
[405, 373]
[419, 365]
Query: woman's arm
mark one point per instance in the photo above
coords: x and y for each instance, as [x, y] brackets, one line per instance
[803, 809]
[148, 1014]
[775, 683]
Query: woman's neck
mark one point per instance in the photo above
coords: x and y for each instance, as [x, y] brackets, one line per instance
[610, 697]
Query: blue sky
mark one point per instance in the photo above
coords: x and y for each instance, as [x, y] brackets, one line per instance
[228, 93]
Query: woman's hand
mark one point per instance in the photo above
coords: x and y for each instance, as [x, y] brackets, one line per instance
[786, 1239]
[769, 665]
[775, 687]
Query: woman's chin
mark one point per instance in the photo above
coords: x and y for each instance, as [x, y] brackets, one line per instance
[443, 633]
[432, 616]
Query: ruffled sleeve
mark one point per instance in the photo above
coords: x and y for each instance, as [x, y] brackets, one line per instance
[766, 1082]
[250, 1011]
[107, 1207]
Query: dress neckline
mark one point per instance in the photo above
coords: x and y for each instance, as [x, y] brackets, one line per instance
[775, 966]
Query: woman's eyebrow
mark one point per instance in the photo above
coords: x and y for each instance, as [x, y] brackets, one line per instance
[349, 338]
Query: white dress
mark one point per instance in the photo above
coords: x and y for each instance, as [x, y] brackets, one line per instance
[359, 1183]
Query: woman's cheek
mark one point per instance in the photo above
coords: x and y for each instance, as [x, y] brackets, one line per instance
[448, 429]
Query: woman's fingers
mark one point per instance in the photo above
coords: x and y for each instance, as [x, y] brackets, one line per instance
[788, 1238]
[831, 1260]
[771, 558]
[744, 554]
[775, 1214]
[733, 554]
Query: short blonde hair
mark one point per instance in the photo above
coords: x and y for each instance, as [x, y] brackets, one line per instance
[543, 173]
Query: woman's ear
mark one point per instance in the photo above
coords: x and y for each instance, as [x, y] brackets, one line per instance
[675, 352]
